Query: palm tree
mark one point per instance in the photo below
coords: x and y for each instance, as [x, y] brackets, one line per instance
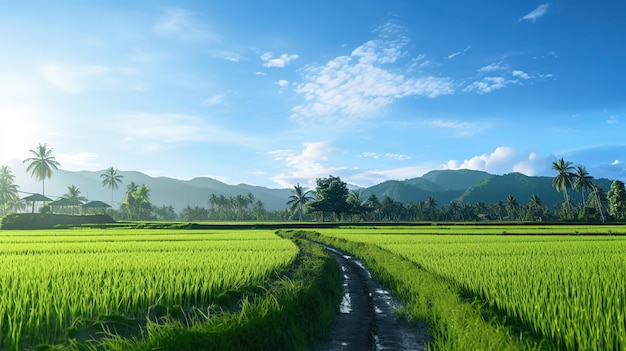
[41, 164]
[582, 181]
[356, 204]
[111, 179]
[599, 198]
[535, 207]
[8, 189]
[73, 193]
[563, 180]
[298, 200]
[512, 207]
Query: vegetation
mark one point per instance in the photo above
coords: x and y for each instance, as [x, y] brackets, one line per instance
[122, 289]
[8, 191]
[237, 208]
[111, 180]
[298, 200]
[617, 200]
[554, 292]
[136, 205]
[332, 197]
[42, 165]
[48, 221]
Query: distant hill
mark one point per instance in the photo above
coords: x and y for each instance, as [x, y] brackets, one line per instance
[465, 186]
[443, 185]
[163, 190]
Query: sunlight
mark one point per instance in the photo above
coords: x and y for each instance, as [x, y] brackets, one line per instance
[20, 131]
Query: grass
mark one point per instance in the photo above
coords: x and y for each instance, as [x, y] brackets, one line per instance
[486, 292]
[129, 289]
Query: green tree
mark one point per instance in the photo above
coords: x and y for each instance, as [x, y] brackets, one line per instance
[583, 181]
[563, 180]
[41, 165]
[536, 208]
[111, 180]
[373, 207]
[357, 206]
[165, 213]
[298, 200]
[598, 200]
[512, 208]
[142, 202]
[8, 190]
[73, 194]
[617, 200]
[332, 196]
[431, 208]
[195, 213]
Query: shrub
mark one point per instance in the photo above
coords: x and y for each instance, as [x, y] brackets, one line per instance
[49, 221]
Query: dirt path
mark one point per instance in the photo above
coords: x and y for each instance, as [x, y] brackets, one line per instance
[367, 318]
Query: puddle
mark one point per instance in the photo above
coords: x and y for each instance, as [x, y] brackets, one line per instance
[346, 304]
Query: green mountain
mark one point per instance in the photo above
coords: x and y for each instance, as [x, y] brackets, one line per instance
[443, 185]
[465, 186]
[461, 179]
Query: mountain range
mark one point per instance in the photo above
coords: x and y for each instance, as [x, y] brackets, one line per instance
[463, 186]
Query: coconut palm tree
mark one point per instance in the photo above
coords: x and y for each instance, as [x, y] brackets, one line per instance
[563, 180]
[8, 189]
[73, 194]
[536, 208]
[111, 179]
[299, 199]
[599, 198]
[582, 181]
[512, 207]
[42, 164]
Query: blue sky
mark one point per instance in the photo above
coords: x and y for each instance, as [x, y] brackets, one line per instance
[276, 93]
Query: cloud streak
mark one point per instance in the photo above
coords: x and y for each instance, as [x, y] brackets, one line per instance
[533, 15]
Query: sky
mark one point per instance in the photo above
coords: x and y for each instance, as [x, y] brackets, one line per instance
[279, 93]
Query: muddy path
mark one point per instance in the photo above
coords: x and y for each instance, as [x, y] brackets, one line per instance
[367, 318]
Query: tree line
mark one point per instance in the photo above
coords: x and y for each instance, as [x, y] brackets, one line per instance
[331, 200]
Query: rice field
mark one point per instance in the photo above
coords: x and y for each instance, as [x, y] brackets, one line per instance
[52, 279]
[567, 289]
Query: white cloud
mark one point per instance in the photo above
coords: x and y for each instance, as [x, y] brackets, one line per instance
[493, 67]
[282, 83]
[616, 162]
[533, 15]
[458, 53]
[612, 119]
[350, 87]
[280, 61]
[521, 74]
[503, 160]
[73, 78]
[374, 155]
[461, 128]
[488, 85]
[305, 166]
[214, 100]
[399, 157]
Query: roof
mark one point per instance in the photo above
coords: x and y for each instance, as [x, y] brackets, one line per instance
[95, 204]
[36, 197]
[64, 202]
